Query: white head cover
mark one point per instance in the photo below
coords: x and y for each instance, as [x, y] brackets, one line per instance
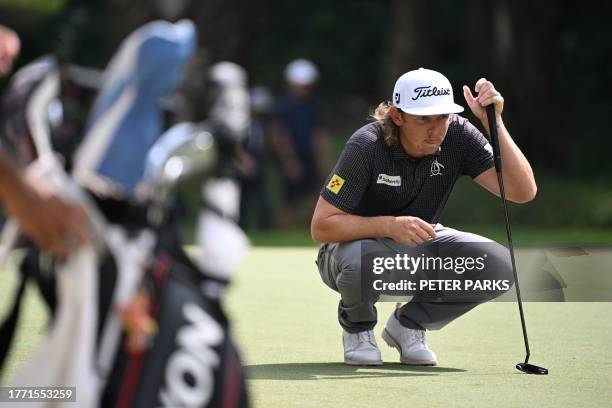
[424, 92]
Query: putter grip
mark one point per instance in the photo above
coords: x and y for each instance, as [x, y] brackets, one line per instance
[494, 137]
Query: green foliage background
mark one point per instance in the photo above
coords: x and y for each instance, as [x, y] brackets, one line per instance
[550, 60]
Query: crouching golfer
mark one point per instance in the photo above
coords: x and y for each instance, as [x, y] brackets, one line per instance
[389, 187]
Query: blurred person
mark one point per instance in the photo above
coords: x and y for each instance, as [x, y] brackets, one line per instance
[51, 223]
[250, 160]
[298, 139]
[388, 190]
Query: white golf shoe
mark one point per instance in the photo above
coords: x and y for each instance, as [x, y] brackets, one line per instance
[360, 348]
[411, 343]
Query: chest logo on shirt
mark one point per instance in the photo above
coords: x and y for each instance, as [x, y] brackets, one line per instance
[335, 184]
[436, 168]
[394, 181]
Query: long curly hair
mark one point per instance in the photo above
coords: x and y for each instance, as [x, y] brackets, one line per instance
[382, 115]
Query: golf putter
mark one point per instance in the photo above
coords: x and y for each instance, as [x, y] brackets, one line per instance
[525, 366]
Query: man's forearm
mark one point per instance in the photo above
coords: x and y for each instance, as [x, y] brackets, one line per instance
[349, 227]
[518, 176]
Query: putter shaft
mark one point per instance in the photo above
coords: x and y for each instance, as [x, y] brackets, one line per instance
[498, 168]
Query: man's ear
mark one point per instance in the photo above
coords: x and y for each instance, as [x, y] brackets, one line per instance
[396, 116]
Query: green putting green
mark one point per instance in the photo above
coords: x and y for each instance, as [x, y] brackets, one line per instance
[284, 319]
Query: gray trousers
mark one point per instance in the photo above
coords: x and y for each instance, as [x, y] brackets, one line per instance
[340, 268]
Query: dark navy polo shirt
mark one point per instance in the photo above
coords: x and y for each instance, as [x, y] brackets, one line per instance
[372, 179]
[300, 117]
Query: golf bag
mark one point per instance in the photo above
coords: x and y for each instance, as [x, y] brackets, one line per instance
[135, 322]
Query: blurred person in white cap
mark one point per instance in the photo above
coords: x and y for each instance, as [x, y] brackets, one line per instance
[388, 190]
[299, 141]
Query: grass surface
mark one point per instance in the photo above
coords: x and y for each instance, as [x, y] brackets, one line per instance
[285, 322]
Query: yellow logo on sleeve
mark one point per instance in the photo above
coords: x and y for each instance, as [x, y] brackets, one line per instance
[335, 184]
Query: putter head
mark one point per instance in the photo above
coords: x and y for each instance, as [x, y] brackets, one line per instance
[531, 369]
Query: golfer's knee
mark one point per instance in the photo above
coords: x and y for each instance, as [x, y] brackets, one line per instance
[501, 268]
[349, 278]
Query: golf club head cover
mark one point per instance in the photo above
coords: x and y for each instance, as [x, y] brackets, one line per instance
[126, 118]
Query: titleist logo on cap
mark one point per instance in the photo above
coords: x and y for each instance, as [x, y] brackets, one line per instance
[425, 91]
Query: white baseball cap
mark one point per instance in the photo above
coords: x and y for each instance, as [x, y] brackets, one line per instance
[228, 73]
[301, 72]
[424, 92]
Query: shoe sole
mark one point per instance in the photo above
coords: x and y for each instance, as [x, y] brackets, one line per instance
[391, 342]
[363, 363]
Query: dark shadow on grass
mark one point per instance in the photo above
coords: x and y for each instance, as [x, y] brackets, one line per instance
[323, 371]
